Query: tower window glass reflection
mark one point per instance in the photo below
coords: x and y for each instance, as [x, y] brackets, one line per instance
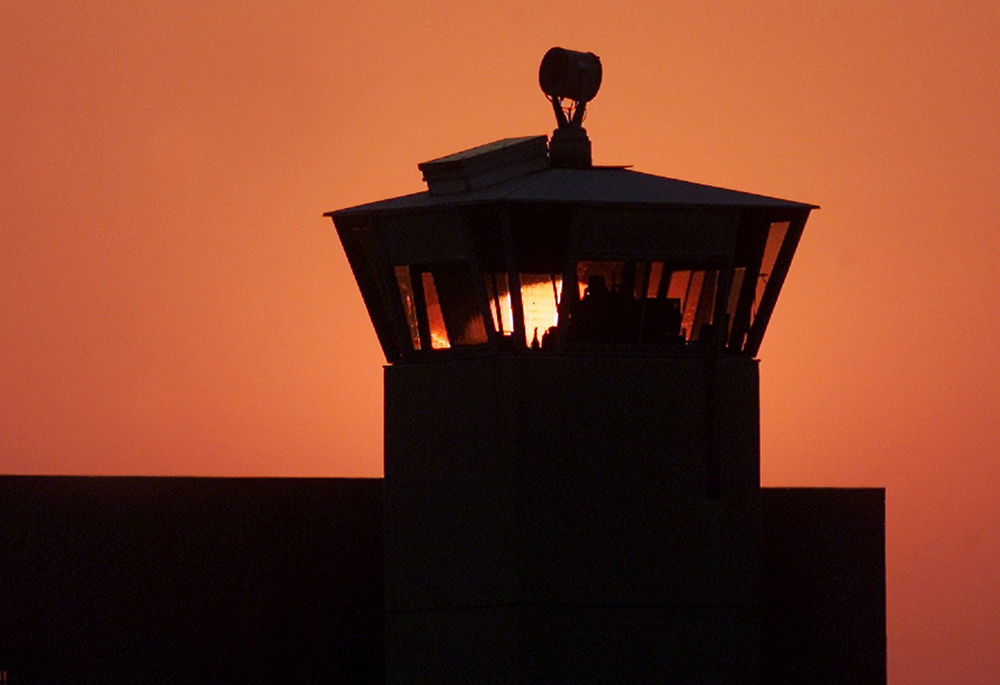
[440, 306]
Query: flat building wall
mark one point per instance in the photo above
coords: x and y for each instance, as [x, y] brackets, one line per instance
[190, 580]
[591, 516]
[823, 552]
[216, 580]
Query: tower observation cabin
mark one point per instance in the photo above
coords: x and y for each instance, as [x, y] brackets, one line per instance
[523, 246]
[571, 409]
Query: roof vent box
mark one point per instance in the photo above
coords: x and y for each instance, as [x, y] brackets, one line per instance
[485, 165]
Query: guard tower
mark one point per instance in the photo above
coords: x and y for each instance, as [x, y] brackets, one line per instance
[572, 487]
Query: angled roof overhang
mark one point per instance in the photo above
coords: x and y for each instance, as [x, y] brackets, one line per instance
[597, 186]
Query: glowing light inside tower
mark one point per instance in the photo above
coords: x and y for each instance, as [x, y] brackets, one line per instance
[540, 296]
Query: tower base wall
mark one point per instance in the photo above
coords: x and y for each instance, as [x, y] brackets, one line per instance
[575, 644]
[548, 517]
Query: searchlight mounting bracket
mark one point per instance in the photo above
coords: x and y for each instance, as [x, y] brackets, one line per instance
[576, 77]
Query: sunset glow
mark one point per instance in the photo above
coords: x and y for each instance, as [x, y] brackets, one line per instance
[174, 303]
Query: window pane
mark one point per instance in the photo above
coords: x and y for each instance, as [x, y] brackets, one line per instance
[498, 291]
[435, 319]
[705, 316]
[655, 276]
[775, 237]
[734, 295]
[540, 298]
[691, 298]
[409, 307]
[459, 307]
[639, 280]
[678, 288]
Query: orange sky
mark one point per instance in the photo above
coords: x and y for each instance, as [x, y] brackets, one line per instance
[173, 303]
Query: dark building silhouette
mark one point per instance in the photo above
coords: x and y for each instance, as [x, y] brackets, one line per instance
[190, 580]
[116, 581]
[572, 462]
[571, 488]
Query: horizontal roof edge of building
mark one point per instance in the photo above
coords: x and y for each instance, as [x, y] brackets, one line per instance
[597, 187]
[370, 210]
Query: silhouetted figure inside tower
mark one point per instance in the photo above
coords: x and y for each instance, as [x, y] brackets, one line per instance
[600, 317]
